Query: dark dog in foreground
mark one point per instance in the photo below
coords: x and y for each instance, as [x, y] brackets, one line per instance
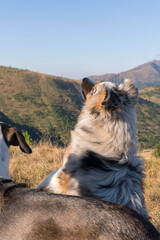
[27, 214]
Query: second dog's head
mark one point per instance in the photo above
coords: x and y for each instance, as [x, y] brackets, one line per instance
[10, 136]
[107, 99]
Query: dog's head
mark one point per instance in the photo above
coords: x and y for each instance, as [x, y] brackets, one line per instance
[108, 98]
[13, 137]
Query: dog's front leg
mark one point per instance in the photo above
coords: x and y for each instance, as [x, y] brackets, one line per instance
[60, 182]
[50, 183]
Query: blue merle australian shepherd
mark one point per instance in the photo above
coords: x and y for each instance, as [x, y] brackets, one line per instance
[101, 160]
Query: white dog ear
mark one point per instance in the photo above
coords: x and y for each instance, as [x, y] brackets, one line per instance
[128, 89]
[86, 86]
[13, 137]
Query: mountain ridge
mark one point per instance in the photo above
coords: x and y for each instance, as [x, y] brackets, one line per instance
[145, 75]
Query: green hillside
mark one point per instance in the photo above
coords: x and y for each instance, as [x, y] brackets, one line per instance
[48, 105]
[38, 103]
[148, 116]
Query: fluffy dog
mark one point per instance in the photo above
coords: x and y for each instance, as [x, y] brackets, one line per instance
[101, 159]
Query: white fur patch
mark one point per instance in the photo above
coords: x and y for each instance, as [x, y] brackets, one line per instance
[4, 157]
[49, 183]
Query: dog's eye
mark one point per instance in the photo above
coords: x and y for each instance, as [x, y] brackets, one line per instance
[93, 91]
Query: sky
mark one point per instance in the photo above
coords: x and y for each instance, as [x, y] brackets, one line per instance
[75, 39]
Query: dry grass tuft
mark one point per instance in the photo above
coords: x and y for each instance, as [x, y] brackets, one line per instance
[152, 186]
[32, 169]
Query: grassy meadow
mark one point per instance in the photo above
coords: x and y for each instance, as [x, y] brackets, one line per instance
[33, 168]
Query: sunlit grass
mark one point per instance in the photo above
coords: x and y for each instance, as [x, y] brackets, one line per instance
[152, 186]
[33, 168]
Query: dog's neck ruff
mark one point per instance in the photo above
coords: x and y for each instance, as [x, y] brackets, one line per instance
[4, 157]
[109, 138]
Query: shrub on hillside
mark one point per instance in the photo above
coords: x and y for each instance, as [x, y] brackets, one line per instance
[27, 137]
[156, 152]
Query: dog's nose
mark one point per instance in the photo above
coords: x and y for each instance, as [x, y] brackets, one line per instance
[85, 79]
[88, 80]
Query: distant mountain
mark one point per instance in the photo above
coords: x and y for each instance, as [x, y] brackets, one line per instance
[144, 75]
[48, 105]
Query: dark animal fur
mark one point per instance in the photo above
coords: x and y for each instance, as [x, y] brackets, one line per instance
[26, 214]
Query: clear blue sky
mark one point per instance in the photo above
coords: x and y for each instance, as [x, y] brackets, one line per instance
[77, 38]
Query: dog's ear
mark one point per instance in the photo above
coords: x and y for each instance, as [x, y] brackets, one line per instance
[86, 86]
[13, 137]
[128, 89]
[19, 139]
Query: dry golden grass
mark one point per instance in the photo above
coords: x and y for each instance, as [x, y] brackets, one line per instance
[32, 169]
[152, 186]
